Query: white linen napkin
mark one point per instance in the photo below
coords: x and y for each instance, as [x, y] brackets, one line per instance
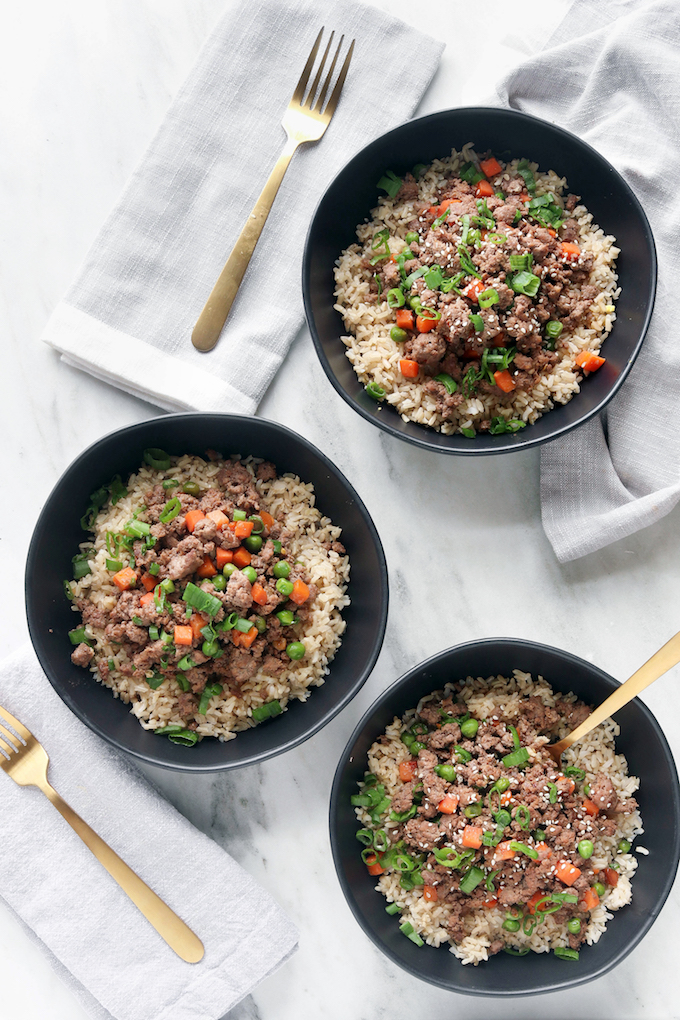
[129, 315]
[611, 74]
[96, 939]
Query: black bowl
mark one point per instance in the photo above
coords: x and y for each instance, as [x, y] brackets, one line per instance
[649, 757]
[615, 208]
[58, 532]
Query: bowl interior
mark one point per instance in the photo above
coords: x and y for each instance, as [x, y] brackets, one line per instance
[353, 193]
[649, 757]
[58, 533]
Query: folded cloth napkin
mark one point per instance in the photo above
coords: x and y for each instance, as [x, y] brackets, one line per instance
[129, 315]
[611, 74]
[96, 939]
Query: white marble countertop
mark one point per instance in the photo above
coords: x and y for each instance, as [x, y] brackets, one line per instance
[84, 86]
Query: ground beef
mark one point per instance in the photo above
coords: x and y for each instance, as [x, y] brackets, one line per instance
[82, 655]
[184, 559]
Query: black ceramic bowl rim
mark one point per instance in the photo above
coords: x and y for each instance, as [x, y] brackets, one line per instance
[483, 444]
[351, 759]
[51, 662]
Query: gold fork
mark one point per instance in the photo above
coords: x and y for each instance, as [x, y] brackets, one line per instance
[25, 761]
[303, 122]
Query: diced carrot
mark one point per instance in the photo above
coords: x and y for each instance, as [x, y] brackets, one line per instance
[589, 900]
[504, 852]
[590, 808]
[504, 381]
[566, 785]
[443, 206]
[500, 340]
[146, 599]
[611, 876]
[244, 529]
[484, 189]
[223, 556]
[218, 518]
[242, 640]
[567, 872]
[196, 623]
[404, 318]
[553, 233]
[125, 578]
[183, 635]
[259, 594]
[241, 557]
[407, 770]
[148, 581]
[570, 250]
[524, 197]
[506, 798]
[300, 592]
[192, 517]
[473, 290]
[543, 851]
[472, 836]
[374, 866]
[267, 519]
[409, 369]
[424, 323]
[207, 568]
[430, 893]
[589, 361]
[231, 525]
[531, 904]
[491, 901]
[470, 355]
[433, 210]
[490, 167]
[448, 805]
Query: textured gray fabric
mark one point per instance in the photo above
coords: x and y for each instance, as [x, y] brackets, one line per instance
[93, 935]
[611, 74]
[129, 315]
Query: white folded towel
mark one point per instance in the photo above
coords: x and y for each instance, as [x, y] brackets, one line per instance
[129, 315]
[611, 74]
[95, 938]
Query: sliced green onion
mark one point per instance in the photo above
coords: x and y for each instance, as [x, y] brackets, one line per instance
[374, 391]
[200, 599]
[390, 183]
[403, 816]
[154, 569]
[471, 880]
[517, 757]
[170, 483]
[81, 567]
[516, 950]
[209, 691]
[170, 510]
[522, 816]
[522, 848]
[434, 278]
[573, 773]
[245, 626]
[552, 795]
[267, 711]
[470, 173]
[472, 810]
[412, 277]
[562, 953]
[488, 297]
[477, 321]
[440, 219]
[154, 633]
[185, 738]
[521, 261]
[525, 283]
[451, 283]
[500, 425]
[466, 262]
[489, 880]
[447, 381]
[155, 680]
[502, 817]
[157, 459]
[365, 836]
[164, 731]
[68, 591]
[524, 171]
[553, 329]
[462, 753]
[465, 221]
[392, 908]
[114, 565]
[79, 636]
[186, 663]
[497, 238]
[395, 298]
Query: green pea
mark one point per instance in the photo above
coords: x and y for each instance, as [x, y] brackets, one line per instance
[210, 648]
[281, 569]
[415, 747]
[219, 582]
[277, 546]
[446, 772]
[228, 569]
[295, 650]
[398, 334]
[600, 889]
[411, 237]
[469, 728]
[284, 587]
[191, 488]
[510, 924]
[415, 302]
[574, 926]
[585, 848]
[539, 835]
[253, 543]
[624, 846]
[501, 784]
[286, 618]
[250, 573]
[261, 624]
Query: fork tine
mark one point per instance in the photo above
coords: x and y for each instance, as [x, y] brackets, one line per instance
[317, 79]
[15, 724]
[329, 78]
[335, 94]
[304, 77]
[6, 749]
[13, 741]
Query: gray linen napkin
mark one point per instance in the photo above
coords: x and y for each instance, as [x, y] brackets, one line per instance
[128, 316]
[95, 938]
[611, 74]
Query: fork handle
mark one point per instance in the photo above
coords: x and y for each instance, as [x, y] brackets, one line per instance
[169, 926]
[214, 315]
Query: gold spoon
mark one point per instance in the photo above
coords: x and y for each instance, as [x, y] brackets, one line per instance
[655, 667]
